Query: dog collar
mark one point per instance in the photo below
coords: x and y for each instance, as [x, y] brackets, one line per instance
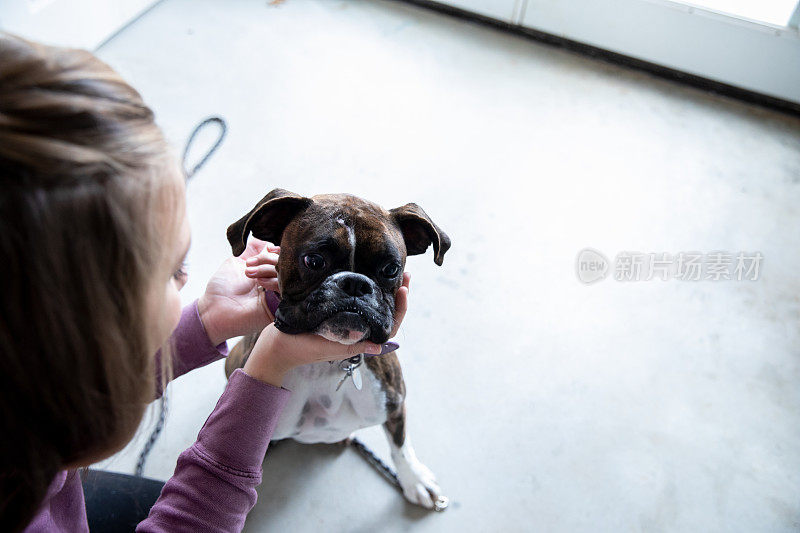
[273, 299]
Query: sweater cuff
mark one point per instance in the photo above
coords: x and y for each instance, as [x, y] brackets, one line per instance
[238, 431]
[193, 348]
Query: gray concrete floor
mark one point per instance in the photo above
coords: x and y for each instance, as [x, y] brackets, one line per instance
[542, 404]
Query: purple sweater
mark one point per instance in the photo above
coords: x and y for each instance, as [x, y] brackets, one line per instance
[214, 484]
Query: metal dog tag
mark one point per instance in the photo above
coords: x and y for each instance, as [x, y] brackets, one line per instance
[357, 378]
[350, 369]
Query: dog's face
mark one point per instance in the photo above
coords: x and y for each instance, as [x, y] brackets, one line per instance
[341, 260]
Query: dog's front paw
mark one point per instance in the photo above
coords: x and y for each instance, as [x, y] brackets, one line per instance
[419, 485]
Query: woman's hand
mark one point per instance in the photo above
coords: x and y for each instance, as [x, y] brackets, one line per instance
[275, 353]
[233, 304]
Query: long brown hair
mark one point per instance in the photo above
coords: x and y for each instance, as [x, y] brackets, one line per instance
[82, 166]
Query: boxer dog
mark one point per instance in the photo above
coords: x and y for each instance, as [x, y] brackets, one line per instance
[341, 262]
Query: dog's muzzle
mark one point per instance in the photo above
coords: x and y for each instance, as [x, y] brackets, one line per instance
[347, 307]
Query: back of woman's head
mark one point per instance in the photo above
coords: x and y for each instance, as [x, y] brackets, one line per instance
[82, 183]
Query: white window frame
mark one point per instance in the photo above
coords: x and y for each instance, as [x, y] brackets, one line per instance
[755, 56]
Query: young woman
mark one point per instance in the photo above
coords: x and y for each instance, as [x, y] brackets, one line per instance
[93, 235]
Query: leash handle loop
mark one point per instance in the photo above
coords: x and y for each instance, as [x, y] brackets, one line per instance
[223, 130]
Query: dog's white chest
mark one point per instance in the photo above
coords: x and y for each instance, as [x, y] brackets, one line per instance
[317, 412]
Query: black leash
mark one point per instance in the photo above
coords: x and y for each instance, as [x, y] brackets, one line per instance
[382, 468]
[376, 462]
[148, 446]
[223, 130]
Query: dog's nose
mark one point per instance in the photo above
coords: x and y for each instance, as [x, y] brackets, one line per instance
[355, 285]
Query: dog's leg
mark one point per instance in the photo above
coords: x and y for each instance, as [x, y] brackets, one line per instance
[239, 354]
[418, 482]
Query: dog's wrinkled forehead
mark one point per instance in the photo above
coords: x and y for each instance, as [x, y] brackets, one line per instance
[355, 221]
[350, 223]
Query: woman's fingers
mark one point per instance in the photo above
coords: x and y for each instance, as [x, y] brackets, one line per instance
[275, 353]
[263, 245]
[334, 351]
[401, 303]
[264, 258]
[261, 267]
[261, 271]
[401, 306]
[254, 247]
[310, 348]
[257, 247]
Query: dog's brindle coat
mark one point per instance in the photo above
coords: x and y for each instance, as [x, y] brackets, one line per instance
[350, 298]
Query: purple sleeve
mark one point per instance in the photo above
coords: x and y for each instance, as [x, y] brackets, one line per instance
[192, 347]
[214, 484]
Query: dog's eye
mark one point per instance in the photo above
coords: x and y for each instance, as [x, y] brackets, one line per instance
[390, 270]
[314, 261]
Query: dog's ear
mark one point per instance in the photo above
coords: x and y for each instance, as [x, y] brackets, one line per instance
[419, 232]
[267, 219]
